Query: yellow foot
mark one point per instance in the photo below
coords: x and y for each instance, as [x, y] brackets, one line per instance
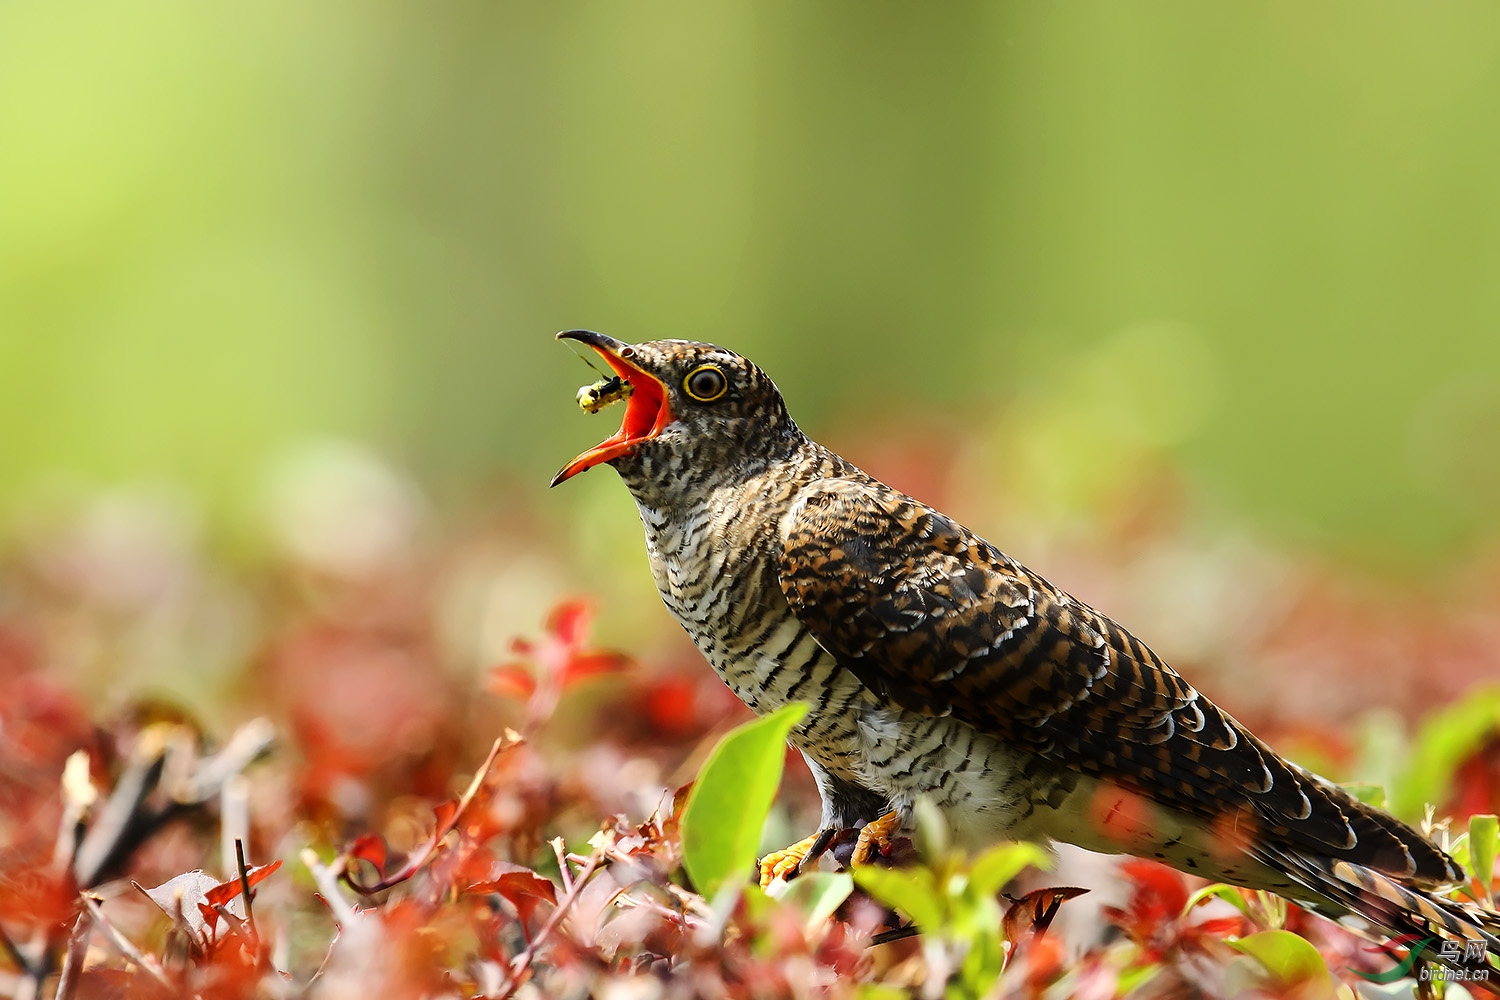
[786, 862]
[875, 838]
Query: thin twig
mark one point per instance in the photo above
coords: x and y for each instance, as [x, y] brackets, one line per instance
[522, 961]
[900, 933]
[417, 860]
[78, 796]
[123, 944]
[78, 946]
[562, 864]
[239, 856]
[318, 972]
[115, 830]
[680, 917]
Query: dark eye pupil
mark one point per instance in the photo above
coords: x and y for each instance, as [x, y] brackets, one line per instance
[706, 383]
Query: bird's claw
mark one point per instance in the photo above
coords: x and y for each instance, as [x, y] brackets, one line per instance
[875, 838]
[787, 862]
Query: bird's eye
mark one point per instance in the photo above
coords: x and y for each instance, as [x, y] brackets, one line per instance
[705, 383]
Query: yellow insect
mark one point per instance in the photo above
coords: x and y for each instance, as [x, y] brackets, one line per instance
[596, 397]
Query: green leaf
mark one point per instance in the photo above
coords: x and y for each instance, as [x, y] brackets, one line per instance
[1289, 960]
[998, 865]
[1458, 850]
[983, 960]
[910, 890]
[1227, 893]
[727, 807]
[1446, 737]
[1484, 844]
[1133, 979]
[817, 894]
[879, 991]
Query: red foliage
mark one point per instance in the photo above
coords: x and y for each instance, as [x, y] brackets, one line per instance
[196, 901]
[32, 890]
[554, 663]
[1476, 782]
[366, 711]
[435, 883]
[1153, 917]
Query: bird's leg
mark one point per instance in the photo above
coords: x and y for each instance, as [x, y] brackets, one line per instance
[875, 838]
[789, 862]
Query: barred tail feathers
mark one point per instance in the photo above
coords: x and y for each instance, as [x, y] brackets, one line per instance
[1343, 889]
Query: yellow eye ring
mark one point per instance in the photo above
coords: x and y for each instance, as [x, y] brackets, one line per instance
[705, 383]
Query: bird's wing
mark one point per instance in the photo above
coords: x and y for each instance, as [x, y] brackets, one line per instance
[934, 618]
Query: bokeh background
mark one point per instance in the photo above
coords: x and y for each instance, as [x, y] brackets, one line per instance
[1193, 307]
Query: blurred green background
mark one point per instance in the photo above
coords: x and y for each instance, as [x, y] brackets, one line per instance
[1263, 238]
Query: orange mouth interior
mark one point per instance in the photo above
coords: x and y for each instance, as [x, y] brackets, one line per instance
[646, 413]
[646, 407]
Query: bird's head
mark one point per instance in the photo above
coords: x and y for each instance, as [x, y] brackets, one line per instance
[696, 414]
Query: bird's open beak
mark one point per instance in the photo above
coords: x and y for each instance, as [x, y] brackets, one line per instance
[646, 411]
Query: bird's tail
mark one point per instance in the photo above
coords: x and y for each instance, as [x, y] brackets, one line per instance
[1346, 889]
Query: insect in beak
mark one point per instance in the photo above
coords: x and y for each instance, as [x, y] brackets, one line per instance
[605, 392]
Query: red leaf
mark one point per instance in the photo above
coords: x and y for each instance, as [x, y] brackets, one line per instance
[512, 880]
[1035, 910]
[32, 891]
[1157, 883]
[1476, 782]
[670, 705]
[1044, 962]
[553, 663]
[227, 890]
[511, 680]
[372, 848]
[1157, 897]
[585, 665]
[1219, 928]
[569, 622]
[522, 887]
[189, 899]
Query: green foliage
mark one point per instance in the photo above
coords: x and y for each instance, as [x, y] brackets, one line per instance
[841, 179]
[1476, 850]
[880, 991]
[817, 894]
[913, 891]
[1285, 964]
[1445, 738]
[1484, 845]
[727, 807]
[1230, 894]
[955, 903]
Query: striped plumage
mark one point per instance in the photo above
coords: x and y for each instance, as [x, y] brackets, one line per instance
[936, 665]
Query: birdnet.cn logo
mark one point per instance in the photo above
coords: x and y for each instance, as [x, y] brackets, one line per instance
[1464, 961]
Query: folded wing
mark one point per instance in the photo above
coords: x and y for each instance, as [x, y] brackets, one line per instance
[935, 619]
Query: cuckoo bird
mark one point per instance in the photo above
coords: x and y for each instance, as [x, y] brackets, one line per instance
[935, 665]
